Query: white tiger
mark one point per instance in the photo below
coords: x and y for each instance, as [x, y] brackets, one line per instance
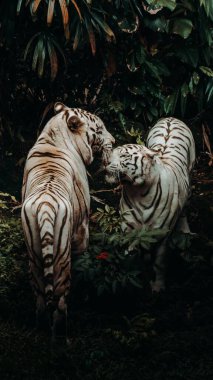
[56, 205]
[155, 182]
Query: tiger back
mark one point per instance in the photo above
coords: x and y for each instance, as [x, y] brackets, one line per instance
[56, 203]
[155, 181]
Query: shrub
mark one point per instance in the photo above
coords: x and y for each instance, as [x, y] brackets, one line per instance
[114, 260]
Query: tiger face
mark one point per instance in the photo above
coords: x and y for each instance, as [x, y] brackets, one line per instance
[89, 132]
[131, 164]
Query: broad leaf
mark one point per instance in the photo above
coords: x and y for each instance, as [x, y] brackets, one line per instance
[181, 26]
[170, 102]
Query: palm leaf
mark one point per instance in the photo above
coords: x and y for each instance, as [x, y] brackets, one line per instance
[65, 17]
[41, 57]
[67, 32]
[35, 57]
[64, 11]
[92, 39]
[60, 51]
[91, 35]
[104, 26]
[53, 59]
[77, 37]
[19, 4]
[51, 6]
[77, 8]
[35, 5]
[28, 45]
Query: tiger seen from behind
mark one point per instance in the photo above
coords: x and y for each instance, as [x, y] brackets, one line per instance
[56, 206]
[155, 183]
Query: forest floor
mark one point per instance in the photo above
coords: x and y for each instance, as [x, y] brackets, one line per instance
[143, 336]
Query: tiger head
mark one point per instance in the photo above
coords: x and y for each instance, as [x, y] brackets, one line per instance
[87, 131]
[130, 164]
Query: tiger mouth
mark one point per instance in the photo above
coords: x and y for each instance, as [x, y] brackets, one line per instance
[118, 177]
[112, 177]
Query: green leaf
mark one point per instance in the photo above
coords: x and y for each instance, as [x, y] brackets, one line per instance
[128, 25]
[134, 282]
[140, 54]
[209, 90]
[208, 6]
[153, 70]
[91, 34]
[160, 24]
[29, 44]
[103, 25]
[35, 56]
[181, 26]
[184, 90]
[188, 55]
[206, 70]
[19, 4]
[170, 102]
[131, 64]
[41, 58]
[180, 240]
[77, 37]
[170, 4]
[53, 59]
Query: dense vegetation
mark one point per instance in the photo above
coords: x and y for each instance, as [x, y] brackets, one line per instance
[131, 62]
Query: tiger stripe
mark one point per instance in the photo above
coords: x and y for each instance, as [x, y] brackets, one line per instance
[155, 181]
[56, 203]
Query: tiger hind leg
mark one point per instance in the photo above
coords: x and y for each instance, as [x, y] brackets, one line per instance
[59, 323]
[160, 267]
[62, 272]
[33, 243]
[183, 226]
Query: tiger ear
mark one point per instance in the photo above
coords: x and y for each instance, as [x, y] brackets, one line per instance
[74, 123]
[58, 107]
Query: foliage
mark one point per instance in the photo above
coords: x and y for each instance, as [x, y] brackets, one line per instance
[181, 240]
[13, 266]
[108, 219]
[7, 201]
[114, 260]
[138, 329]
[130, 61]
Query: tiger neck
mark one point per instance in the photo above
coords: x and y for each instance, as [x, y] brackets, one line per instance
[149, 203]
[57, 134]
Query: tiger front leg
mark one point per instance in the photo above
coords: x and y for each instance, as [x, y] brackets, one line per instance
[160, 267]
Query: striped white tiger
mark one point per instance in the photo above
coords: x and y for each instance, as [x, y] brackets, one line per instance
[155, 183]
[56, 205]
